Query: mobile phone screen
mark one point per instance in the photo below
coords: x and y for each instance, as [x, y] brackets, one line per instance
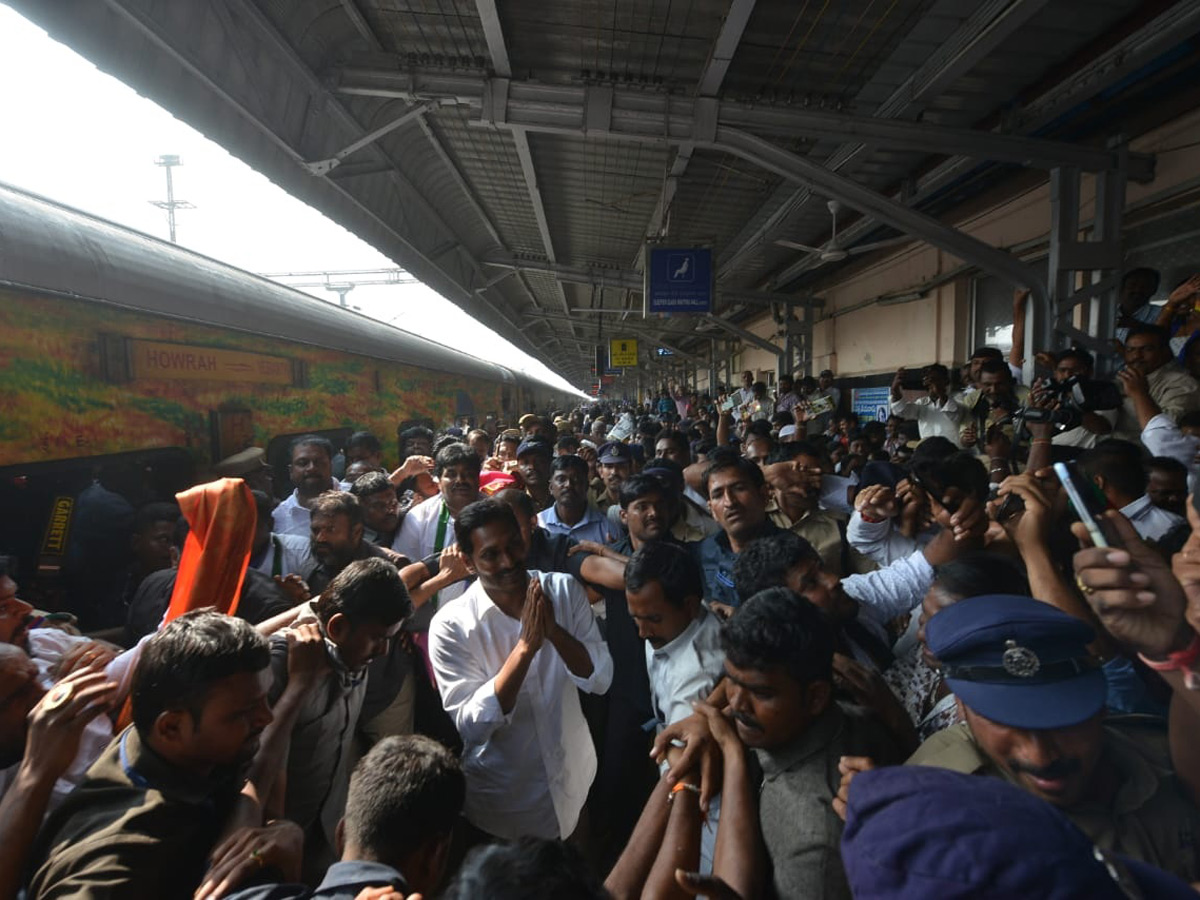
[1087, 502]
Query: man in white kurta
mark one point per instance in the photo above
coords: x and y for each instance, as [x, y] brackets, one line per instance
[509, 655]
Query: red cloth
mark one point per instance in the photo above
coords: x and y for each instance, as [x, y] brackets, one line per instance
[491, 483]
[221, 517]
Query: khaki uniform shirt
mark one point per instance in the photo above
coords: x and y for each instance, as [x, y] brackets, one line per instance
[1172, 388]
[1147, 819]
[135, 828]
[817, 527]
[800, 829]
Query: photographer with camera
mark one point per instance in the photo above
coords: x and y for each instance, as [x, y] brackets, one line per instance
[1087, 408]
[937, 414]
[998, 398]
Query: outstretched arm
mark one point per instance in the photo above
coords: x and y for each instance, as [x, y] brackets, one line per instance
[56, 725]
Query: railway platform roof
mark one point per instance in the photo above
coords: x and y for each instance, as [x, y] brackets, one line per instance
[519, 156]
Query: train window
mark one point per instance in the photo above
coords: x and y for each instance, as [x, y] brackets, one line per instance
[279, 456]
[69, 524]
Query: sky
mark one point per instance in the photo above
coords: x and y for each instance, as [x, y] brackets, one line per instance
[85, 139]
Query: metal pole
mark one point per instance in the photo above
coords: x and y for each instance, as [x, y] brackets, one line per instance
[171, 203]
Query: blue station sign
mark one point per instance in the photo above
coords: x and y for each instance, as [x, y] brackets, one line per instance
[679, 280]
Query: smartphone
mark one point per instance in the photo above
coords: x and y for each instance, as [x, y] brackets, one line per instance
[820, 405]
[729, 404]
[913, 380]
[1087, 502]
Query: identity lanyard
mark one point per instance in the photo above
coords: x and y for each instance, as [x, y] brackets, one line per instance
[439, 540]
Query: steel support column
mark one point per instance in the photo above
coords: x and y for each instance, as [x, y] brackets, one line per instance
[1071, 258]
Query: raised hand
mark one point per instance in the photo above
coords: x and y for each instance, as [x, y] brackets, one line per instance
[533, 625]
[307, 660]
[91, 655]
[56, 723]
[1134, 382]
[849, 767]
[876, 503]
[1132, 591]
[412, 467]
[1032, 525]
[549, 624]
[294, 588]
[454, 562]
[699, 749]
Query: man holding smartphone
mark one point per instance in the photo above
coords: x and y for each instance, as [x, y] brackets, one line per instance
[937, 413]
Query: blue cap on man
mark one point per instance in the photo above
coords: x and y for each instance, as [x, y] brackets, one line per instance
[535, 445]
[1018, 661]
[914, 831]
[614, 453]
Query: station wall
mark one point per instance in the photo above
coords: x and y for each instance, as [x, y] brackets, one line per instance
[857, 335]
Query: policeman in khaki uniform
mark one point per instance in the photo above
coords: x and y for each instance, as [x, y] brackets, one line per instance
[1033, 700]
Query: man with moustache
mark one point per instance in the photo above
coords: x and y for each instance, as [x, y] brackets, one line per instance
[796, 491]
[737, 498]
[144, 821]
[779, 685]
[359, 614]
[571, 513]
[380, 508]
[429, 527]
[510, 656]
[684, 659]
[937, 413]
[615, 467]
[1033, 700]
[337, 540]
[625, 775]
[1151, 370]
[533, 462]
[311, 471]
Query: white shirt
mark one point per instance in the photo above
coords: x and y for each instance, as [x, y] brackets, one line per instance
[1162, 437]
[932, 420]
[1080, 436]
[835, 491]
[416, 538]
[292, 518]
[686, 669]
[47, 646]
[294, 552]
[528, 772]
[1148, 520]
[882, 541]
[890, 592]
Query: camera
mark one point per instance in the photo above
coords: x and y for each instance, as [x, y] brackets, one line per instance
[1075, 397]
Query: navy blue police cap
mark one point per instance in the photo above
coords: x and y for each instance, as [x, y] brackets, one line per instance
[535, 445]
[667, 471]
[915, 831]
[614, 452]
[1018, 661]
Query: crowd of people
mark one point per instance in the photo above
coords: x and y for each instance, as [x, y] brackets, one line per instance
[735, 645]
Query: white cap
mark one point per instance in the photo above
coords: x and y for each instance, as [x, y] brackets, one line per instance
[787, 431]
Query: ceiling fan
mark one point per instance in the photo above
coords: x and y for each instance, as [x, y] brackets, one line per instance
[831, 251]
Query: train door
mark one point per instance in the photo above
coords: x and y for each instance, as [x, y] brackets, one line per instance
[69, 522]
